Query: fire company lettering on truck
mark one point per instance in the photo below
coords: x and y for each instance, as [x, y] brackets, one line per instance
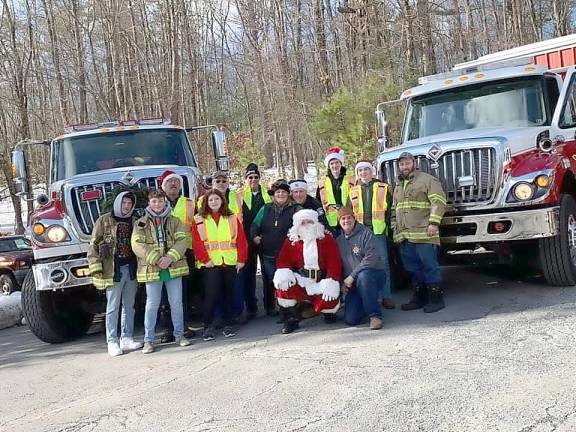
[499, 133]
[87, 163]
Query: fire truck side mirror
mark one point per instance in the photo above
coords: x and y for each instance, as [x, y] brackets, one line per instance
[381, 128]
[219, 147]
[19, 172]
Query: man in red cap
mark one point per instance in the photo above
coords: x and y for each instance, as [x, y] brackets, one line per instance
[333, 190]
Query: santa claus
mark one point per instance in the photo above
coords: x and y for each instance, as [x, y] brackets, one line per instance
[308, 270]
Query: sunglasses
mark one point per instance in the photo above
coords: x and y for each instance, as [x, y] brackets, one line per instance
[252, 177]
[220, 181]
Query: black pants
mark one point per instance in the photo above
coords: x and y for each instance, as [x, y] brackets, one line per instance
[249, 275]
[218, 290]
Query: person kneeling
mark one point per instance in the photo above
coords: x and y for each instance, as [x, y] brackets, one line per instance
[160, 241]
[363, 267]
[308, 270]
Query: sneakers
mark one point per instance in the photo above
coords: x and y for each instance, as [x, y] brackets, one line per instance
[182, 341]
[114, 349]
[129, 344]
[228, 332]
[375, 323]
[208, 334]
[148, 348]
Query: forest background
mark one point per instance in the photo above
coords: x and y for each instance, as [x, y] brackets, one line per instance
[288, 78]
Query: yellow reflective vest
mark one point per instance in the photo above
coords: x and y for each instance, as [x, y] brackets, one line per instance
[379, 205]
[248, 196]
[328, 198]
[184, 210]
[219, 239]
[234, 200]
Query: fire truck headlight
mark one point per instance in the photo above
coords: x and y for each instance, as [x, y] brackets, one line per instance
[56, 234]
[523, 191]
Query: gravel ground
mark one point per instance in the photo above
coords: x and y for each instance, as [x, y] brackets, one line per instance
[499, 358]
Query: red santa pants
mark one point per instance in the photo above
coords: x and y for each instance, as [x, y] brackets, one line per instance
[297, 294]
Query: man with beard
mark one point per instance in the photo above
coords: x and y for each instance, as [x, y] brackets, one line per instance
[308, 270]
[299, 193]
[417, 209]
[333, 191]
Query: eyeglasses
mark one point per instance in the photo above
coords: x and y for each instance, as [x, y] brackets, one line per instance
[253, 178]
[220, 181]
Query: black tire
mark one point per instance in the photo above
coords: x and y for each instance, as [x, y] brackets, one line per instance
[53, 317]
[7, 284]
[558, 253]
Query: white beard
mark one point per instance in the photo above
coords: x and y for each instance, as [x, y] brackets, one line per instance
[308, 234]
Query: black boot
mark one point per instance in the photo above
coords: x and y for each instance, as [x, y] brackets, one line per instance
[330, 318]
[436, 299]
[418, 300]
[290, 319]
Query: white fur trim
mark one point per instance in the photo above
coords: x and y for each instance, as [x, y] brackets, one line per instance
[363, 164]
[282, 302]
[310, 254]
[333, 310]
[330, 289]
[333, 155]
[298, 185]
[284, 279]
[173, 176]
[305, 214]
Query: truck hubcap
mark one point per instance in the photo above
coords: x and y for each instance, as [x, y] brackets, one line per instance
[572, 238]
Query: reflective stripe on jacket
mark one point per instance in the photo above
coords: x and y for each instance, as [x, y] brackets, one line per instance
[418, 201]
[148, 250]
[329, 200]
[378, 209]
[219, 239]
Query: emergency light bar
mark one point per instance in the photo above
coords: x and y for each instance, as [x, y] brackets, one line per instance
[115, 123]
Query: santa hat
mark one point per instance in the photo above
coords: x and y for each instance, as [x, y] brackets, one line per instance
[363, 164]
[334, 153]
[306, 214]
[167, 175]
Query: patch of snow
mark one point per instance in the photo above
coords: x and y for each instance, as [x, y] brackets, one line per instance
[10, 310]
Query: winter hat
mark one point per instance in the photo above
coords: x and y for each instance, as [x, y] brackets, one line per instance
[298, 184]
[251, 169]
[363, 164]
[217, 174]
[302, 215]
[406, 155]
[345, 211]
[334, 153]
[279, 185]
[167, 175]
[117, 206]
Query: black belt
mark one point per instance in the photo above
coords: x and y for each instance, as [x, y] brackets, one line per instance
[316, 275]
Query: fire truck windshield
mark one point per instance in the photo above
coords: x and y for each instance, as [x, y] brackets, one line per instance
[87, 153]
[517, 102]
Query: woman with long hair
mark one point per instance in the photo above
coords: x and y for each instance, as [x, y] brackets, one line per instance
[221, 251]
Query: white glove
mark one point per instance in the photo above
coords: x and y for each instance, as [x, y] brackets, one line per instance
[330, 289]
[284, 279]
[311, 287]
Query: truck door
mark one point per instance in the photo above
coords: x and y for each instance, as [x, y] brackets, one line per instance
[563, 131]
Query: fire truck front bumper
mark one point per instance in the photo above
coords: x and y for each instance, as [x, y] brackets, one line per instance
[61, 274]
[500, 227]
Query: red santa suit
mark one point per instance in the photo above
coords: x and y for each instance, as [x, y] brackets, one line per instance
[299, 260]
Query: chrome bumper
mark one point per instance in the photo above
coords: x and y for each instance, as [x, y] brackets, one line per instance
[524, 225]
[61, 274]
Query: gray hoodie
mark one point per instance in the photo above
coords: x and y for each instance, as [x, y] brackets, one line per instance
[358, 251]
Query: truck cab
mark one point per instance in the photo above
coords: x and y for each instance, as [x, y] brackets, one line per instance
[499, 133]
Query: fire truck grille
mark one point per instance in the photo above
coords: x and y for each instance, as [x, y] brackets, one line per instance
[467, 176]
[87, 211]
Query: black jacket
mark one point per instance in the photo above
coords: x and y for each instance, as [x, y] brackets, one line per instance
[272, 224]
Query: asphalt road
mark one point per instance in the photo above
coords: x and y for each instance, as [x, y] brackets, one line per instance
[499, 358]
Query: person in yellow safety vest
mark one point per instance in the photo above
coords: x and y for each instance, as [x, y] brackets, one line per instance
[221, 182]
[333, 190]
[418, 206]
[369, 200]
[254, 197]
[183, 208]
[159, 243]
[221, 251]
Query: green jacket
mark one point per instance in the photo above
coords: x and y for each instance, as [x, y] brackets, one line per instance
[148, 250]
[418, 201]
[102, 268]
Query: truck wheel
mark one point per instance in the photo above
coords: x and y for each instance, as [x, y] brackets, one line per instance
[7, 284]
[558, 253]
[53, 317]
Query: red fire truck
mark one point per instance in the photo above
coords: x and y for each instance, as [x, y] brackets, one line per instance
[499, 133]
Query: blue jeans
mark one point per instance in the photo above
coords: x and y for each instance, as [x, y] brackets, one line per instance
[122, 292]
[153, 296]
[421, 261]
[268, 269]
[384, 283]
[362, 298]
